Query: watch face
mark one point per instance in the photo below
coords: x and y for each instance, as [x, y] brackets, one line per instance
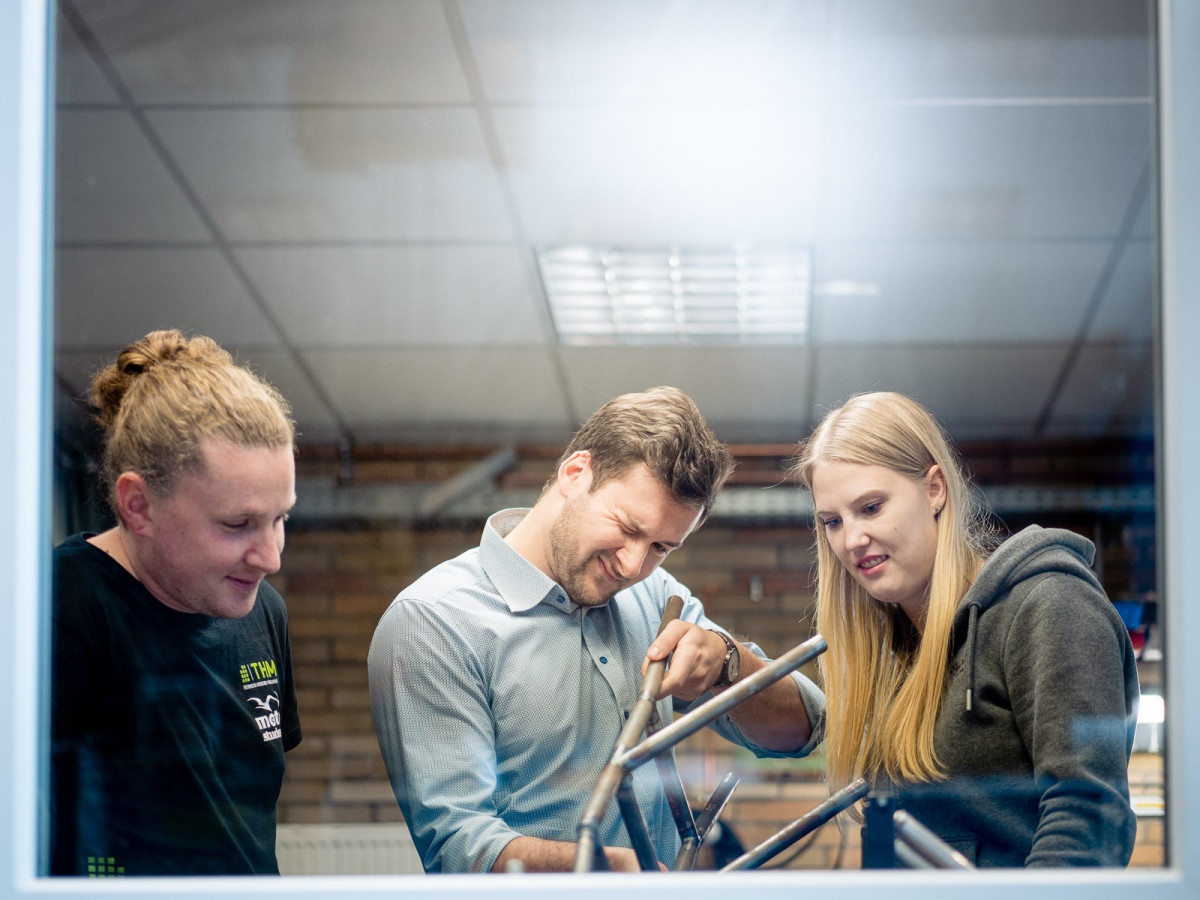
[731, 666]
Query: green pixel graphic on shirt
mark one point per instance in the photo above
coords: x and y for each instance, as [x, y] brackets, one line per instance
[104, 867]
[245, 674]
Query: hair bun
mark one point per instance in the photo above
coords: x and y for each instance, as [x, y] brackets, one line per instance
[112, 384]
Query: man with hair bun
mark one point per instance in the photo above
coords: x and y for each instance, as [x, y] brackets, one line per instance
[500, 680]
[172, 700]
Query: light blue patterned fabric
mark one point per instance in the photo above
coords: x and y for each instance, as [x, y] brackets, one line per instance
[498, 701]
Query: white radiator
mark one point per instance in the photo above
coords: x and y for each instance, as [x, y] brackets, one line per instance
[380, 849]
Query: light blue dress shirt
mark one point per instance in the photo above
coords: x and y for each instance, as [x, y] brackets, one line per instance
[498, 701]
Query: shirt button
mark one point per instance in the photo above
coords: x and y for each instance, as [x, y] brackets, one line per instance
[604, 660]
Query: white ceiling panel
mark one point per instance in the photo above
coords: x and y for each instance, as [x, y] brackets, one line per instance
[77, 79]
[994, 48]
[976, 391]
[279, 51]
[745, 393]
[351, 193]
[578, 51]
[399, 296]
[656, 174]
[339, 174]
[1110, 390]
[971, 293]
[417, 393]
[1016, 172]
[1126, 311]
[111, 297]
[103, 161]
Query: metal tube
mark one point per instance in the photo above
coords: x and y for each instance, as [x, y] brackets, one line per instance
[931, 847]
[806, 824]
[709, 712]
[635, 824]
[686, 860]
[612, 774]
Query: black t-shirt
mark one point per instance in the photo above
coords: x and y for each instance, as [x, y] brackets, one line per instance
[168, 728]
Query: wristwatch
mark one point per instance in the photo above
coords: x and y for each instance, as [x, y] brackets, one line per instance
[733, 658]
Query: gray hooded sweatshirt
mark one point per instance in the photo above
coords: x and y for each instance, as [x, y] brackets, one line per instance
[1037, 721]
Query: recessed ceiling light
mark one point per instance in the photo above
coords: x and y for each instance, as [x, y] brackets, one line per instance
[676, 295]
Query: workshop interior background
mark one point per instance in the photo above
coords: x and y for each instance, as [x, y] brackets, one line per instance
[784, 201]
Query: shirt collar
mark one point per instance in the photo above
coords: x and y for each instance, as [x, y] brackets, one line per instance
[520, 583]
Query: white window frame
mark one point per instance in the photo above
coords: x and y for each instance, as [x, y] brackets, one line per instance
[25, 448]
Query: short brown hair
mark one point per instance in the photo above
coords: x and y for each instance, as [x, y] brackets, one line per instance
[165, 394]
[662, 429]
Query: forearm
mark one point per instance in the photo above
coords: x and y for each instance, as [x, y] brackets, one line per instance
[774, 718]
[540, 855]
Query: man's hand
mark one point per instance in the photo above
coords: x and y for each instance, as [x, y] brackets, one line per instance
[699, 659]
[774, 718]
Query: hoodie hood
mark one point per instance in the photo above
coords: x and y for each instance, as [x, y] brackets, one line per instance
[1031, 552]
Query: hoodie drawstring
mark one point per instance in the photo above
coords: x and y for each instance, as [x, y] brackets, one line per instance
[972, 626]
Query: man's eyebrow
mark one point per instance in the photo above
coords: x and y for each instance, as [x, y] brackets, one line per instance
[628, 521]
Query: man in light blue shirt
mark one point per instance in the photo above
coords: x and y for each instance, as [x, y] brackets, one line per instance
[501, 679]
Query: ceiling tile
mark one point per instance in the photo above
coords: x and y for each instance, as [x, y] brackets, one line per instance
[966, 172]
[467, 393]
[400, 296]
[1126, 312]
[661, 174]
[994, 48]
[579, 51]
[111, 186]
[745, 393]
[976, 293]
[77, 78]
[975, 391]
[279, 51]
[339, 175]
[110, 298]
[1109, 390]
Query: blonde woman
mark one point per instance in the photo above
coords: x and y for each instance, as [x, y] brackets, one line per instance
[995, 690]
[172, 701]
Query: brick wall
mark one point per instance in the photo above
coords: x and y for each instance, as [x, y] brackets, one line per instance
[754, 580]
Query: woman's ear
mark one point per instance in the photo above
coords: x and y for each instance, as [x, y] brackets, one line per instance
[938, 492]
[134, 502]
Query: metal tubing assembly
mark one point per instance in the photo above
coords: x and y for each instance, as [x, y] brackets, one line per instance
[612, 775]
[628, 754]
[709, 712]
[927, 845]
[806, 824]
[690, 846]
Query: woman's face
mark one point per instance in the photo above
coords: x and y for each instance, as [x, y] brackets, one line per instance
[882, 527]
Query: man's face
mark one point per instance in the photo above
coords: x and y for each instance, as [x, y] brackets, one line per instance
[606, 540]
[214, 538]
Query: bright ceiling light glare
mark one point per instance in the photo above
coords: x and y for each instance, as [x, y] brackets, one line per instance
[672, 295]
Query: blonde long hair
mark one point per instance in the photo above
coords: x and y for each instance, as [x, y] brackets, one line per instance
[883, 680]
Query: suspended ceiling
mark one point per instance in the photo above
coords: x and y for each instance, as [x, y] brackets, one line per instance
[348, 194]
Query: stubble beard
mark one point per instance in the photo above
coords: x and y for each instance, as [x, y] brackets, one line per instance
[570, 571]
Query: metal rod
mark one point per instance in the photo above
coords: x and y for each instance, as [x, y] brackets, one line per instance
[932, 848]
[709, 712]
[686, 860]
[635, 824]
[612, 774]
[806, 824]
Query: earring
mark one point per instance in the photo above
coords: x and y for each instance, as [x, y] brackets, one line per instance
[937, 509]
